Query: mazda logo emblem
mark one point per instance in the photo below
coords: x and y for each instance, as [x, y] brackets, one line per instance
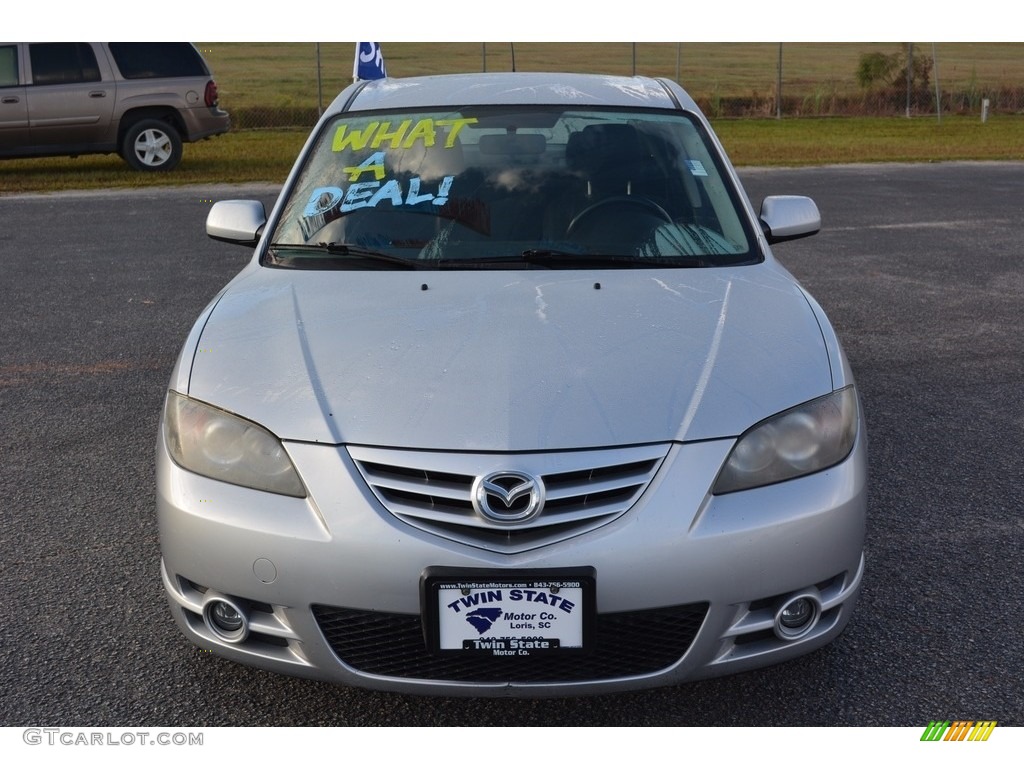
[508, 497]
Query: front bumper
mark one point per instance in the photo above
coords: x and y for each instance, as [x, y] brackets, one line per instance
[688, 585]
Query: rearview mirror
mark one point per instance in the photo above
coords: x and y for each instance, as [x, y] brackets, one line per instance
[512, 144]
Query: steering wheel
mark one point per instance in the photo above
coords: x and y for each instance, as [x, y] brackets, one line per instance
[637, 202]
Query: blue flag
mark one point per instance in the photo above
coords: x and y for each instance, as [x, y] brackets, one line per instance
[369, 62]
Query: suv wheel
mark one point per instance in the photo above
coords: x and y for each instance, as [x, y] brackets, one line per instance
[151, 145]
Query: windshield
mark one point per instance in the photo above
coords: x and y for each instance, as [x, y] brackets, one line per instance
[516, 187]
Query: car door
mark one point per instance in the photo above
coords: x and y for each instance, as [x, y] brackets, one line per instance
[69, 104]
[13, 104]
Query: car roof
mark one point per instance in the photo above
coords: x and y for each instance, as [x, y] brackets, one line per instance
[528, 88]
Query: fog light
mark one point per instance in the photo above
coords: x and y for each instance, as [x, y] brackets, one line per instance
[226, 620]
[795, 614]
[230, 620]
[797, 617]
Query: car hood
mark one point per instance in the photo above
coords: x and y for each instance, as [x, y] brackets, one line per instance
[510, 361]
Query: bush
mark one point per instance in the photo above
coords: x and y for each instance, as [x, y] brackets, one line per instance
[876, 69]
[890, 70]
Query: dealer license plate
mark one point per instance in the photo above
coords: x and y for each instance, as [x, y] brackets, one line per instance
[510, 616]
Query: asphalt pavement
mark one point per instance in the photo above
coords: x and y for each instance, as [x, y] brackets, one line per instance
[920, 269]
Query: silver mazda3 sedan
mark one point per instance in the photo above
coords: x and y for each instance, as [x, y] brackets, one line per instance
[512, 399]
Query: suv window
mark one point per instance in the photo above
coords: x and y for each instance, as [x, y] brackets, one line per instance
[57, 63]
[142, 60]
[8, 65]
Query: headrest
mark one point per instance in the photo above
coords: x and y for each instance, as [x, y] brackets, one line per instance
[604, 146]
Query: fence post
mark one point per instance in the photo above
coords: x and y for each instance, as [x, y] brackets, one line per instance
[778, 88]
[910, 73]
[319, 85]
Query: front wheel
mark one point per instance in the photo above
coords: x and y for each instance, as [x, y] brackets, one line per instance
[151, 145]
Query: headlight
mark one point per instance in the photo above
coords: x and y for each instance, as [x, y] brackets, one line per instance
[217, 444]
[802, 440]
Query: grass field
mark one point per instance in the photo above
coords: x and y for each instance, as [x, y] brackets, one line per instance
[245, 156]
[267, 75]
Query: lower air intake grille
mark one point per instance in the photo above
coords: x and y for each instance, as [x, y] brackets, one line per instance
[390, 644]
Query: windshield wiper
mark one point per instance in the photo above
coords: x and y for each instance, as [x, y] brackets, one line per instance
[555, 259]
[484, 262]
[337, 249]
[549, 258]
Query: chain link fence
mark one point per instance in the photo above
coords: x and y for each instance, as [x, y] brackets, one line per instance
[274, 85]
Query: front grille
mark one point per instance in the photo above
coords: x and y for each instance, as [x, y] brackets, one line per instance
[583, 490]
[392, 645]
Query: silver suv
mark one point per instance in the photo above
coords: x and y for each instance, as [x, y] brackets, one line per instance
[141, 100]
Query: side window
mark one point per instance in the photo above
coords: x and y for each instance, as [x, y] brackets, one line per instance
[57, 63]
[8, 65]
[142, 60]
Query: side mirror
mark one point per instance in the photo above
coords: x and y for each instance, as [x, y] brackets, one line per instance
[789, 217]
[236, 221]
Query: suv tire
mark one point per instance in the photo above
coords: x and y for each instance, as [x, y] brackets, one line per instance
[151, 145]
